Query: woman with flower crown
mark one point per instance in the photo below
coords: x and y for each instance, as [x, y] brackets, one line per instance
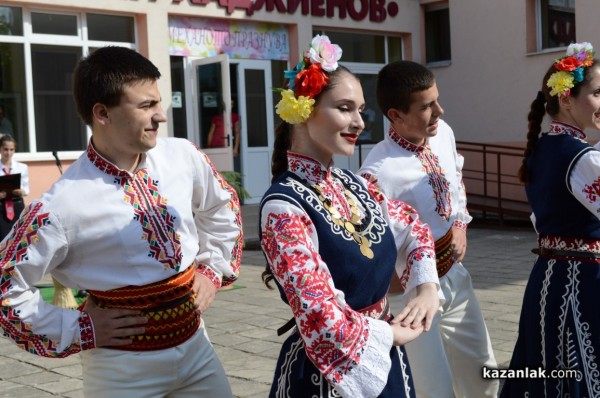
[559, 330]
[327, 237]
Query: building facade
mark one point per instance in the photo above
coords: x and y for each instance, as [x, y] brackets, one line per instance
[488, 56]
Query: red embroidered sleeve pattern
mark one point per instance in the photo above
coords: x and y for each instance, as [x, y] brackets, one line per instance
[374, 188]
[14, 250]
[210, 274]
[234, 206]
[425, 247]
[334, 335]
[460, 225]
[592, 191]
[86, 331]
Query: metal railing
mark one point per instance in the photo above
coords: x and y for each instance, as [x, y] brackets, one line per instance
[490, 177]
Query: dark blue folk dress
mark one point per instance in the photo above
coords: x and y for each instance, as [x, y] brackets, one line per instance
[559, 329]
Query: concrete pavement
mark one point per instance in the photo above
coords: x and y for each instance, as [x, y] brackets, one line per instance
[242, 322]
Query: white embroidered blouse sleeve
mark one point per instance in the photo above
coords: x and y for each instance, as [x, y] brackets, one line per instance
[35, 247]
[585, 181]
[463, 218]
[362, 362]
[415, 262]
[24, 171]
[218, 221]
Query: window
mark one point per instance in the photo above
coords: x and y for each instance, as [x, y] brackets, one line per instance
[437, 33]
[54, 24]
[55, 111]
[11, 21]
[12, 92]
[366, 48]
[556, 23]
[43, 113]
[110, 28]
[365, 55]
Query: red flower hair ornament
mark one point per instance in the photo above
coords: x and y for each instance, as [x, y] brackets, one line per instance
[307, 80]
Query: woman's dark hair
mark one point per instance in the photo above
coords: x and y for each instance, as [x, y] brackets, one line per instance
[283, 132]
[542, 104]
[283, 142]
[7, 138]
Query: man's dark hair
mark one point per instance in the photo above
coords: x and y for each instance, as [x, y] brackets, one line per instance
[397, 81]
[100, 77]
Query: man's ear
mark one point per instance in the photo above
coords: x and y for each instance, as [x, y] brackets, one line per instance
[100, 114]
[395, 115]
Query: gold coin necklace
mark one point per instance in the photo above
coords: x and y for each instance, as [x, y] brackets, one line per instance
[353, 225]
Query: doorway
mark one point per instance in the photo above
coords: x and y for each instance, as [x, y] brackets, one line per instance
[219, 87]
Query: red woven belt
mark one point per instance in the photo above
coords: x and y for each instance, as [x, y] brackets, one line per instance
[379, 310]
[168, 305]
[443, 254]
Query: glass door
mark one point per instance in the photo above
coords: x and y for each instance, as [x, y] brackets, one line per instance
[209, 93]
[255, 105]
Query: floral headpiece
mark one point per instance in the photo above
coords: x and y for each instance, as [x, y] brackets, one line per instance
[570, 68]
[307, 80]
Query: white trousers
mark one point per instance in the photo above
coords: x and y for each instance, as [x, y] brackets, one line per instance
[446, 362]
[191, 369]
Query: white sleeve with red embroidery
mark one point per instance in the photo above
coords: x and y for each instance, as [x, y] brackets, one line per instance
[415, 263]
[350, 350]
[463, 218]
[218, 221]
[585, 181]
[35, 247]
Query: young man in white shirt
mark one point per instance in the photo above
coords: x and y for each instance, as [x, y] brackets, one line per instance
[417, 163]
[144, 224]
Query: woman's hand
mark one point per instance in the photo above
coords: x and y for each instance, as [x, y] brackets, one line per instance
[403, 335]
[18, 192]
[420, 310]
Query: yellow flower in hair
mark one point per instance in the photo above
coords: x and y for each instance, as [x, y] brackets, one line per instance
[294, 110]
[561, 83]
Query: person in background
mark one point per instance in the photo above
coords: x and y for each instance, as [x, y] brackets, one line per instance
[327, 237]
[559, 329]
[146, 225]
[417, 163]
[11, 202]
[216, 134]
[6, 126]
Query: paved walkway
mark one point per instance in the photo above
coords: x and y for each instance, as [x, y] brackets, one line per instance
[242, 322]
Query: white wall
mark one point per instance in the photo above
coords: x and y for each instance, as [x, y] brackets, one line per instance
[488, 88]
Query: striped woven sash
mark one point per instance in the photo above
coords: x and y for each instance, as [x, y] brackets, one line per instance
[443, 254]
[168, 305]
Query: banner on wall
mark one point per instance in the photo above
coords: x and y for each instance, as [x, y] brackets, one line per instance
[198, 37]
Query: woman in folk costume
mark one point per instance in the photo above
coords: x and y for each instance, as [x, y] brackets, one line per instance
[327, 236]
[559, 330]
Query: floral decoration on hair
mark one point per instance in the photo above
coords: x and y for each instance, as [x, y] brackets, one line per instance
[570, 68]
[307, 80]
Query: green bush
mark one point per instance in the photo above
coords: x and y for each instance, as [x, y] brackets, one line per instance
[234, 179]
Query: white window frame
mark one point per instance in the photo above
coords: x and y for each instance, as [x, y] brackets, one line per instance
[81, 40]
[444, 5]
[539, 23]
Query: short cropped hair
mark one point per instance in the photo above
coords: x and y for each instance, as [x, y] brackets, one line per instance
[100, 77]
[397, 81]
